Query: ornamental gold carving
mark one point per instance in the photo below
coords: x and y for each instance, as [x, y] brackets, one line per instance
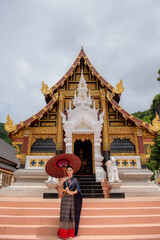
[105, 124]
[44, 137]
[19, 134]
[59, 145]
[121, 137]
[122, 130]
[109, 97]
[122, 154]
[155, 126]
[43, 130]
[42, 154]
[143, 158]
[45, 89]
[9, 127]
[119, 87]
[147, 134]
[82, 137]
[23, 158]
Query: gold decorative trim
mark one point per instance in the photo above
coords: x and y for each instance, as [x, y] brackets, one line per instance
[155, 126]
[45, 89]
[59, 145]
[43, 154]
[123, 154]
[121, 137]
[9, 127]
[119, 87]
[21, 123]
[84, 137]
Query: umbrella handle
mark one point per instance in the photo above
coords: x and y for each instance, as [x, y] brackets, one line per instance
[64, 170]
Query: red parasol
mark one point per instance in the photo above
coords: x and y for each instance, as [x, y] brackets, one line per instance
[56, 166]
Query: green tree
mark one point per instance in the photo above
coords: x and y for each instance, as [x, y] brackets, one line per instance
[158, 79]
[155, 107]
[4, 134]
[144, 116]
[149, 115]
[154, 160]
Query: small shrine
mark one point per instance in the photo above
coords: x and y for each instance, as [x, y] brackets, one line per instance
[82, 123]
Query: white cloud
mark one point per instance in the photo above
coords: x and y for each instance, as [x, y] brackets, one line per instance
[23, 68]
[40, 40]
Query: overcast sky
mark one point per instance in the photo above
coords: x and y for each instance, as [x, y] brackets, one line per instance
[40, 39]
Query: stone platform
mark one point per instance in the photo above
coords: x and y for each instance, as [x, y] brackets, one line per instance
[135, 182]
[29, 183]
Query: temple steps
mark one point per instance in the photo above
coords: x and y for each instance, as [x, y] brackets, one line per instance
[85, 230]
[91, 203]
[89, 187]
[89, 220]
[131, 237]
[16, 211]
[112, 219]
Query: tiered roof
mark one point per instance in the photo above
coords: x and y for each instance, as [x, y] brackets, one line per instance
[53, 93]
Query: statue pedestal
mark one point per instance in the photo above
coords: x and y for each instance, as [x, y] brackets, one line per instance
[52, 183]
[29, 183]
[115, 191]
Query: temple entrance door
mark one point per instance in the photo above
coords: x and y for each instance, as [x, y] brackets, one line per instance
[84, 151]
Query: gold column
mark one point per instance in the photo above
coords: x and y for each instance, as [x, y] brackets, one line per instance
[59, 145]
[104, 108]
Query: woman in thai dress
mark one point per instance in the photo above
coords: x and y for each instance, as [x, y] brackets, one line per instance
[71, 204]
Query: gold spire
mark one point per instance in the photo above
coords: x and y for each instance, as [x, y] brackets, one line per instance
[155, 126]
[119, 87]
[45, 89]
[9, 125]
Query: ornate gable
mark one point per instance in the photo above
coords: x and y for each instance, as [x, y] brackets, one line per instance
[93, 79]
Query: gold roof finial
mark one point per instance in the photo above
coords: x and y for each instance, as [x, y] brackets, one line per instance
[9, 125]
[155, 126]
[119, 87]
[45, 89]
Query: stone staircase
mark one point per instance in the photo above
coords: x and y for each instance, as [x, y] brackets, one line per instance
[112, 219]
[89, 187]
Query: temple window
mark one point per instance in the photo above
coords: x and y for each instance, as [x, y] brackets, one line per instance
[122, 146]
[43, 146]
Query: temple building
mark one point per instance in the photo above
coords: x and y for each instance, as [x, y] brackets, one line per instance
[83, 116]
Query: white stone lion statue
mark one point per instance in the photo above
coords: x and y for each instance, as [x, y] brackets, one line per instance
[112, 170]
